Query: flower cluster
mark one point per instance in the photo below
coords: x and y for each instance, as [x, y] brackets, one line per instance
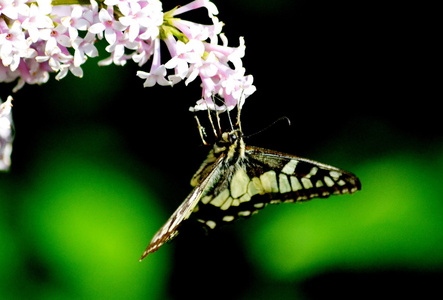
[39, 36]
[6, 134]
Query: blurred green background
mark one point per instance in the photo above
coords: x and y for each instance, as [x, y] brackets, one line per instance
[99, 164]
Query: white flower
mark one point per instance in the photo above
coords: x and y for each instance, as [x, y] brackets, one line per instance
[133, 18]
[212, 9]
[36, 38]
[35, 20]
[157, 75]
[199, 31]
[189, 53]
[14, 46]
[75, 21]
[107, 24]
[144, 52]
[84, 47]
[117, 50]
[158, 71]
[206, 69]
[8, 8]
[6, 134]
[58, 34]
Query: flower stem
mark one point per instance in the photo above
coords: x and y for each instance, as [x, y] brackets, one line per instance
[70, 2]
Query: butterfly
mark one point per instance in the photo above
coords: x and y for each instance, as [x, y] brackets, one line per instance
[237, 180]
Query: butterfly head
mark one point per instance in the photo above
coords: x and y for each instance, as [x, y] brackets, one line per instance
[231, 143]
[230, 137]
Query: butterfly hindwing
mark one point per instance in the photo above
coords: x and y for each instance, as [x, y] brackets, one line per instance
[269, 177]
[303, 179]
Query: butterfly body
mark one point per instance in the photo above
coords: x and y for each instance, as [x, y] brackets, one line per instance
[237, 180]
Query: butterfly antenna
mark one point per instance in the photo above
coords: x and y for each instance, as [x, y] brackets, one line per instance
[227, 112]
[270, 125]
[229, 118]
[239, 106]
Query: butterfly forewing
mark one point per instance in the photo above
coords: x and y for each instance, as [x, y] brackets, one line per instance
[169, 230]
[269, 177]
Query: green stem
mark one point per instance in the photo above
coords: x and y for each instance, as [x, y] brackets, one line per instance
[70, 2]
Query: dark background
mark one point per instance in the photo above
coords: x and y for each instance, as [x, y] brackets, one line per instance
[99, 164]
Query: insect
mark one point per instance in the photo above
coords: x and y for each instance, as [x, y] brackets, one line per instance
[237, 180]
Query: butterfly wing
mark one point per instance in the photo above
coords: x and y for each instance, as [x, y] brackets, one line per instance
[169, 230]
[307, 178]
[270, 177]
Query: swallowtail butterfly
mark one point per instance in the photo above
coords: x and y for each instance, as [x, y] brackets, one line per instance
[237, 180]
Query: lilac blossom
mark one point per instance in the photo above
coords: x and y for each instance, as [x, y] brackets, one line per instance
[39, 37]
[44, 36]
[6, 134]
[158, 71]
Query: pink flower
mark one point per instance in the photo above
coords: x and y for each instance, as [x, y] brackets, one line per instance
[117, 50]
[6, 134]
[158, 71]
[14, 46]
[193, 56]
[37, 38]
[7, 8]
[185, 54]
[75, 21]
[141, 18]
[108, 24]
[36, 20]
[212, 9]
[199, 31]
[84, 47]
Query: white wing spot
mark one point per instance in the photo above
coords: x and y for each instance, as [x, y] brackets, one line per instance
[284, 183]
[236, 202]
[269, 182]
[211, 224]
[307, 184]
[341, 182]
[335, 175]
[245, 198]
[239, 183]
[295, 184]
[206, 199]
[227, 204]
[228, 218]
[259, 205]
[255, 187]
[319, 183]
[220, 198]
[289, 168]
[329, 182]
[312, 172]
[244, 213]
